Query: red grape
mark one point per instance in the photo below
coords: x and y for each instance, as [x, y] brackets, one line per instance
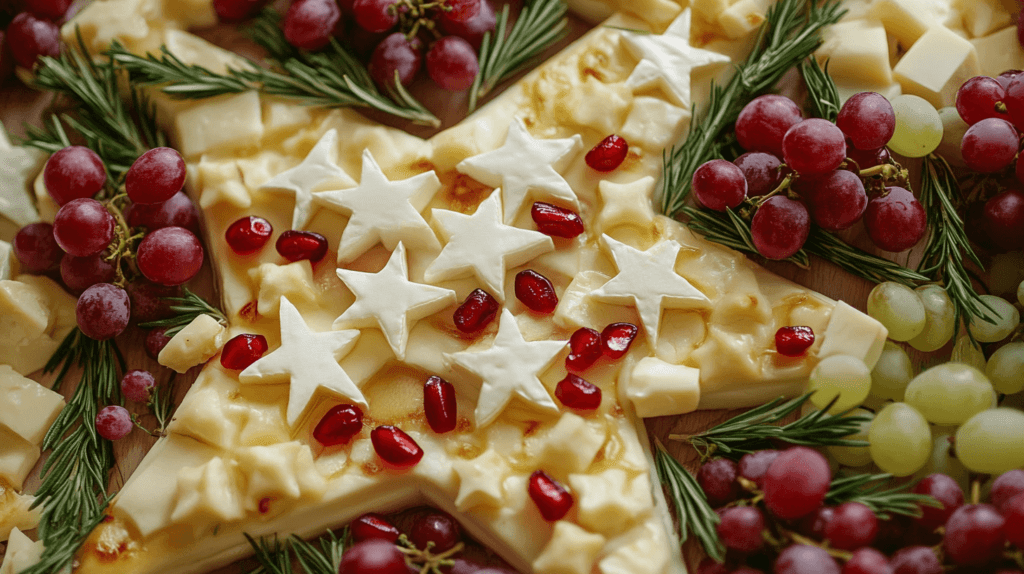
[796, 482]
[989, 145]
[373, 556]
[753, 466]
[943, 489]
[79, 273]
[83, 227]
[915, 560]
[1006, 77]
[895, 221]
[49, 9]
[780, 227]
[719, 184]
[156, 340]
[177, 211]
[114, 422]
[764, 121]
[156, 176]
[1015, 100]
[36, 249]
[310, 24]
[813, 525]
[717, 478]
[852, 526]
[30, 37]
[740, 528]
[452, 63]
[396, 53]
[1013, 512]
[437, 527]
[761, 170]
[472, 30]
[839, 200]
[867, 561]
[868, 120]
[170, 256]
[1004, 219]
[148, 300]
[974, 535]
[814, 146]
[6, 58]
[977, 98]
[803, 559]
[461, 10]
[103, 311]
[237, 10]
[72, 173]
[1006, 486]
[867, 158]
[375, 15]
[136, 385]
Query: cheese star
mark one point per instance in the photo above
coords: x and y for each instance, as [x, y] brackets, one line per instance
[18, 166]
[522, 164]
[626, 203]
[309, 359]
[383, 210]
[482, 244]
[667, 59]
[510, 365]
[648, 280]
[390, 300]
[317, 170]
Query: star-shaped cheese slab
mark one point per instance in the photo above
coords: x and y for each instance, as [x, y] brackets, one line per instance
[524, 164]
[481, 244]
[318, 170]
[666, 60]
[510, 366]
[648, 280]
[389, 300]
[18, 166]
[382, 210]
[309, 359]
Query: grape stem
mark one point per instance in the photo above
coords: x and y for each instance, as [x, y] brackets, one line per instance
[124, 240]
[428, 561]
[787, 182]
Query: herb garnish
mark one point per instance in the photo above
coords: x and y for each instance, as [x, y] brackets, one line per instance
[691, 504]
[872, 490]
[186, 308]
[275, 557]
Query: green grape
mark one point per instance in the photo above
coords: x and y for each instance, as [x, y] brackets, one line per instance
[1020, 293]
[950, 393]
[938, 322]
[968, 353]
[843, 376]
[942, 460]
[901, 441]
[898, 308]
[1005, 272]
[892, 373]
[1005, 368]
[953, 130]
[990, 442]
[855, 455]
[1006, 319]
[918, 127]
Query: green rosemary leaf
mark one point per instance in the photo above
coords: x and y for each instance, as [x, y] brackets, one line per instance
[691, 504]
[186, 308]
[326, 559]
[821, 90]
[273, 555]
[873, 491]
[859, 262]
[731, 230]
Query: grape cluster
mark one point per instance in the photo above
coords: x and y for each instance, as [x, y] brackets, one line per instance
[29, 29]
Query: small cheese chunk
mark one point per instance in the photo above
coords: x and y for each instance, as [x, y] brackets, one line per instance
[577, 309]
[626, 204]
[208, 494]
[643, 549]
[936, 66]
[26, 321]
[26, 407]
[193, 345]
[653, 123]
[208, 416]
[192, 49]
[294, 281]
[280, 471]
[857, 53]
[15, 511]
[657, 388]
[999, 51]
[555, 560]
[21, 553]
[8, 262]
[850, 332]
[221, 182]
[569, 446]
[610, 502]
[17, 457]
[982, 17]
[230, 121]
[101, 22]
[906, 20]
[263, 426]
[743, 17]
[480, 480]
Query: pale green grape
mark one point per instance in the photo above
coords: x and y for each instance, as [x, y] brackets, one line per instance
[938, 322]
[942, 460]
[1005, 368]
[901, 441]
[953, 130]
[1006, 318]
[898, 308]
[892, 373]
[842, 375]
[991, 441]
[918, 127]
[1005, 272]
[966, 352]
[855, 455]
[950, 393]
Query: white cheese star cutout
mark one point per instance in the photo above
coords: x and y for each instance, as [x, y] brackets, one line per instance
[389, 300]
[666, 60]
[18, 166]
[317, 170]
[523, 164]
[648, 280]
[309, 359]
[510, 366]
[482, 244]
[383, 210]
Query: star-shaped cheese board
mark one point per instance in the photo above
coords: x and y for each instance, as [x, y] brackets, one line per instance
[413, 231]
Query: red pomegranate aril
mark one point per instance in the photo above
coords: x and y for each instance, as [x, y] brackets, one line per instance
[83, 227]
[242, 351]
[36, 249]
[80, 273]
[310, 24]
[30, 37]
[373, 526]
[551, 498]
[535, 291]
[178, 211]
[339, 425]
[608, 154]
[237, 10]
[556, 221]
[616, 339]
[584, 349]
[436, 530]
[156, 176]
[298, 245]
[395, 447]
[439, 405]
[577, 393]
[170, 256]
[103, 311]
[476, 312]
[156, 340]
[248, 234]
[373, 556]
[114, 422]
[793, 341]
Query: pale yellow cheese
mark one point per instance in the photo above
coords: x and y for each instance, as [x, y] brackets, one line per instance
[657, 388]
[999, 51]
[642, 549]
[24, 321]
[654, 124]
[221, 181]
[857, 52]
[611, 502]
[906, 20]
[480, 480]
[982, 17]
[936, 66]
[15, 511]
[293, 280]
[850, 332]
[193, 345]
[743, 17]
[208, 493]
[21, 553]
[569, 446]
[8, 262]
[224, 122]
[555, 560]
[191, 49]
[26, 407]
[17, 457]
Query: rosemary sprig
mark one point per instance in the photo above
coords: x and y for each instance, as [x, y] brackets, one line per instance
[821, 90]
[756, 430]
[505, 52]
[186, 308]
[275, 557]
[691, 504]
[731, 230]
[75, 476]
[873, 491]
[947, 246]
[791, 32]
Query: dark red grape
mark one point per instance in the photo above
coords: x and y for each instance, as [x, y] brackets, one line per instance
[36, 249]
[472, 30]
[977, 98]
[974, 535]
[814, 146]
[373, 556]
[461, 10]
[237, 10]
[30, 37]
[764, 121]
[375, 15]
[72, 173]
[49, 9]
[719, 184]
[310, 24]
[6, 59]
[1003, 215]
[803, 559]
[83, 227]
[1015, 101]
[156, 176]
[1006, 486]
[761, 170]
[780, 227]
[136, 385]
[796, 482]
[170, 256]
[868, 120]
[114, 422]
[915, 560]
[438, 528]
[156, 340]
[717, 478]
[103, 311]
[852, 526]
[740, 528]
[943, 489]
[396, 53]
[839, 200]
[867, 561]
[753, 466]
[1006, 77]
[867, 158]
[452, 64]
[178, 211]
[813, 525]
[148, 300]
[79, 273]
[895, 221]
[990, 145]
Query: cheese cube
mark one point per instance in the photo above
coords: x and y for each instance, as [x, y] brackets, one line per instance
[642, 549]
[743, 17]
[906, 20]
[610, 502]
[15, 513]
[999, 51]
[21, 553]
[26, 407]
[569, 446]
[653, 123]
[936, 66]
[294, 281]
[857, 52]
[17, 457]
[982, 17]
[193, 50]
[850, 332]
[193, 345]
[208, 493]
[221, 181]
[229, 121]
[24, 321]
[555, 560]
[657, 388]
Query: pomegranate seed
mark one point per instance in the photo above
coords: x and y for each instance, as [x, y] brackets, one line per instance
[609, 154]
[793, 341]
[439, 404]
[339, 425]
[242, 351]
[249, 235]
[556, 221]
[577, 393]
[476, 311]
[250, 311]
[264, 505]
[395, 447]
[298, 245]
[584, 349]
[616, 339]
[551, 498]
[535, 291]
[373, 525]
